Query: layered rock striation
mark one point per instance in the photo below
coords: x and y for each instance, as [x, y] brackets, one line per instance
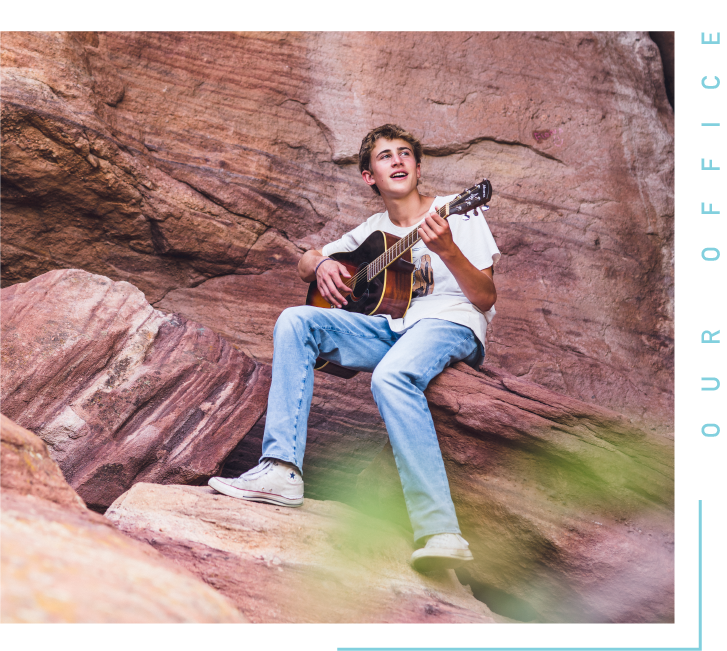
[198, 167]
[119, 391]
[198, 163]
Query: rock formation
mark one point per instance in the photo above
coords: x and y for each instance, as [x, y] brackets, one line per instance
[323, 562]
[64, 563]
[197, 164]
[119, 391]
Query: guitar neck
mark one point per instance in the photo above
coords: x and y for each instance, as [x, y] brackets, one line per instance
[392, 254]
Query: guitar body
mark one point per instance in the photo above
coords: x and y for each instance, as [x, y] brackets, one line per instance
[388, 293]
[388, 259]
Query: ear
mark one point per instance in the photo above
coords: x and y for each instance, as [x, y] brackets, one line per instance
[419, 170]
[368, 177]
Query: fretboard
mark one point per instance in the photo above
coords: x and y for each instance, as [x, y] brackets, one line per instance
[401, 247]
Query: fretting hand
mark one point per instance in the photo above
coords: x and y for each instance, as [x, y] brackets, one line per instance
[436, 234]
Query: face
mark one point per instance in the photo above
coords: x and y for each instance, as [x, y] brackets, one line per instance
[394, 168]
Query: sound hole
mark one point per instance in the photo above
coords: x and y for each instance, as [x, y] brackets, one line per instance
[360, 289]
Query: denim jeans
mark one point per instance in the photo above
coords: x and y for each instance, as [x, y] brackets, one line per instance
[403, 364]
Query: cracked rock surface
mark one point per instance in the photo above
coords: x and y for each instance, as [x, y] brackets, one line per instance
[119, 391]
[62, 563]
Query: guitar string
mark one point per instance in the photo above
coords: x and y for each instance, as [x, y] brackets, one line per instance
[351, 282]
[402, 244]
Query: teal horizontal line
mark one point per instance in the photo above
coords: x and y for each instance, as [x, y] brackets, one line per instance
[710, 124]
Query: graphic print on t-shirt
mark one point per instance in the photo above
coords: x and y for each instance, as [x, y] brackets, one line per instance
[423, 281]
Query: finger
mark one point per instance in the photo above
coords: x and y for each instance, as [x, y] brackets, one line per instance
[441, 221]
[324, 289]
[333, 275]
[343, 270]
[433, 226]
[430, 234]
[439, 224]
[338, 300]
[338, 281]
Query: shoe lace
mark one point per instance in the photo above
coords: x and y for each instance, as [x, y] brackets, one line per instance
[260, 467]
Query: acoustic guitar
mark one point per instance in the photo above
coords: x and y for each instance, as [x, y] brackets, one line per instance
[381, 270]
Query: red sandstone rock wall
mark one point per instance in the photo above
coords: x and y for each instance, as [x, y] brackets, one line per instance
[201, 165]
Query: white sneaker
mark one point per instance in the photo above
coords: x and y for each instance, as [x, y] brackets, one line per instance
[272, 481]
[443, 551]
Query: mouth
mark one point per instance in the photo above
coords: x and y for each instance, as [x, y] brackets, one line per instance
[399, 175]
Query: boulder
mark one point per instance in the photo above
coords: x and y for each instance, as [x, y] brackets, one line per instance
[64, 563]
[321, 563]
[568, 508]
[119, 391]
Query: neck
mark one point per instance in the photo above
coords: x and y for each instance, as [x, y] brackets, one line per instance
[393, 253]
[407, 211]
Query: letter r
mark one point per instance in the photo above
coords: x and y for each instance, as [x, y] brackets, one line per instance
[710, 337]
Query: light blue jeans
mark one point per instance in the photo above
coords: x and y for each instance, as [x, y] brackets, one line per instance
[403, 364]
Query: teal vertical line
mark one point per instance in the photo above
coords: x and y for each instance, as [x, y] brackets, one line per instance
[700, 575]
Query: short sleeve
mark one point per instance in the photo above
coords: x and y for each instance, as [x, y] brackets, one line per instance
[350, 241]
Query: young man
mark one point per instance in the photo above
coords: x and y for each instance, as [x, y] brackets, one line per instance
[453, 299]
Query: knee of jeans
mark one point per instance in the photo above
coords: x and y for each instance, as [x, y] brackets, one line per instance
[292, 318]
[384, 378]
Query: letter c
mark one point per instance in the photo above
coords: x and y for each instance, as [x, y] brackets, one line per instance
[710, 87]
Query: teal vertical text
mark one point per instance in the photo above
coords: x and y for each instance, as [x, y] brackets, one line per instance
[709, 337]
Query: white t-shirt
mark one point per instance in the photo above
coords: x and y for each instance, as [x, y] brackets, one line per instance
[436, 293]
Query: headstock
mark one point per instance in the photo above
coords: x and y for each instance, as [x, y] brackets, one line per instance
[477, 195]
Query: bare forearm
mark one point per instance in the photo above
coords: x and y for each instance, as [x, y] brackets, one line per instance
[477, 285]
[307, 265]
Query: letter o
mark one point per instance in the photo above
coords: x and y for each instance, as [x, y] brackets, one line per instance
[708, 86]
[716, 427]
[708, 259]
